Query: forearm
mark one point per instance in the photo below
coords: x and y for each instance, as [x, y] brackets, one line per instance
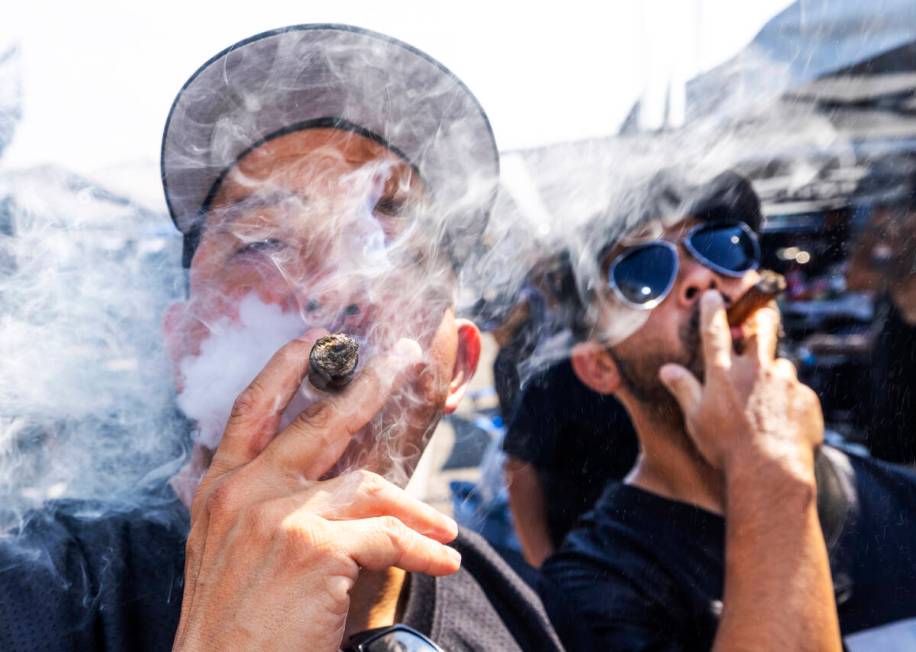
[529, 511]
[778, 590]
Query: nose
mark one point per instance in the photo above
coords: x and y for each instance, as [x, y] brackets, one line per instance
[695, 278]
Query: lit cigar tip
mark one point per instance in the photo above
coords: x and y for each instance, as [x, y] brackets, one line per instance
[332, 361]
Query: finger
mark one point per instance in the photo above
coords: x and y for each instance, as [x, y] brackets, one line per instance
[785, 368]
[686, 389]
[256, 412]
[762, 334]
[317, 437]
[363, 494]
[717, 340]
[381, 542]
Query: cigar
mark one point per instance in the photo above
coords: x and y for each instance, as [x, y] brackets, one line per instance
[332, 362]
[770, 286]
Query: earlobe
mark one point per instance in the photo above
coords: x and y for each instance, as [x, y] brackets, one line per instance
[594, 366]
[466, 359]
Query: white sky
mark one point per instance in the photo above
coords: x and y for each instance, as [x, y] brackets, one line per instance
[99, 75]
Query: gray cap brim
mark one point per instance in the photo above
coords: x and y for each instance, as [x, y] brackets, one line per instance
[328, 75]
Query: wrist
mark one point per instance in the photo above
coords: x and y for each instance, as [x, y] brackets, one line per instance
[783, 480]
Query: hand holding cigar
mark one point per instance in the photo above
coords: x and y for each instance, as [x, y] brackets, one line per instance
[770, 286]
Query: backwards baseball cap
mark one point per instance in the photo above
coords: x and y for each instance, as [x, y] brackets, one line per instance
[312, 76]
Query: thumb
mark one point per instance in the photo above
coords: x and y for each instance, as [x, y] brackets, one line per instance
[683, 385]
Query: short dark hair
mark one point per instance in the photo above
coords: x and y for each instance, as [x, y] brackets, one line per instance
[729, 196]
[668, 197]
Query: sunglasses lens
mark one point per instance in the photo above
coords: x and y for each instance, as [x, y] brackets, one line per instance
[645, 274]
[727, 246]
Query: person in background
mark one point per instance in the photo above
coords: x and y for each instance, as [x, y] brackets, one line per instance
[883, 262]
[563, 443]
[737, 528]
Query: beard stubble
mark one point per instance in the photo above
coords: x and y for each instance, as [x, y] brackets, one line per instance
[639, 372]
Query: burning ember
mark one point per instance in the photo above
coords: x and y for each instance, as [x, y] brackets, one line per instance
[332, 362]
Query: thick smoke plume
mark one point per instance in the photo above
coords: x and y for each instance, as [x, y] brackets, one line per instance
[86, 405]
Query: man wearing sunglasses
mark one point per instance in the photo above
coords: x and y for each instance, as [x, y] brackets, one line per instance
[736, 528]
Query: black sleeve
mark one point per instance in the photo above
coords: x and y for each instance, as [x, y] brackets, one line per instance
[531, 432]
[75, 579]
[592, 611]
[45, 591]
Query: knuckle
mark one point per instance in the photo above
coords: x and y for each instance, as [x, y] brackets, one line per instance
[371, 484]
[248, 402]
[394, 530]
[312, 542]
[720, 363]
[317, 416]
[224, 501]
[710, 330]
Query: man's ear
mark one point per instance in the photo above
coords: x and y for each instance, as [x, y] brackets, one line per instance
[595, 367]
[466, 358]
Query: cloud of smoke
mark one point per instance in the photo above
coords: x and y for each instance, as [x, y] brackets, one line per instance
[229, 359]
[86, 405]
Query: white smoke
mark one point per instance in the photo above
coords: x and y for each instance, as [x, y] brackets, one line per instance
[229, 359]
[86, 402]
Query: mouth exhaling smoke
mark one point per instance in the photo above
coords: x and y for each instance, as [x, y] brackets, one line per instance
[229, 359]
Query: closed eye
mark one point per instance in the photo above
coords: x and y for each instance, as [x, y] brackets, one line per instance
[268, 245]
[390, 206]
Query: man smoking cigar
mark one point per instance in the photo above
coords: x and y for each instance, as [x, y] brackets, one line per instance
[736, 528]
[320, 175]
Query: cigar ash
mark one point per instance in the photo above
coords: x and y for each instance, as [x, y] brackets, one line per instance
[332, 362]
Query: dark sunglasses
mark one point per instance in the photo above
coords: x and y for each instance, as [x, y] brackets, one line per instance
[642, 276]
[397, 638]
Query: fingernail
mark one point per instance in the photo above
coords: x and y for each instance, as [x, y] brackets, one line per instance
[669, 374]
[454, 555]
[711, 299]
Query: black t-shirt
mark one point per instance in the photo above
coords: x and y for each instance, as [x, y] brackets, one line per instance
[646, 573]
[75, 580]
[892, 411]
[576, 438]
